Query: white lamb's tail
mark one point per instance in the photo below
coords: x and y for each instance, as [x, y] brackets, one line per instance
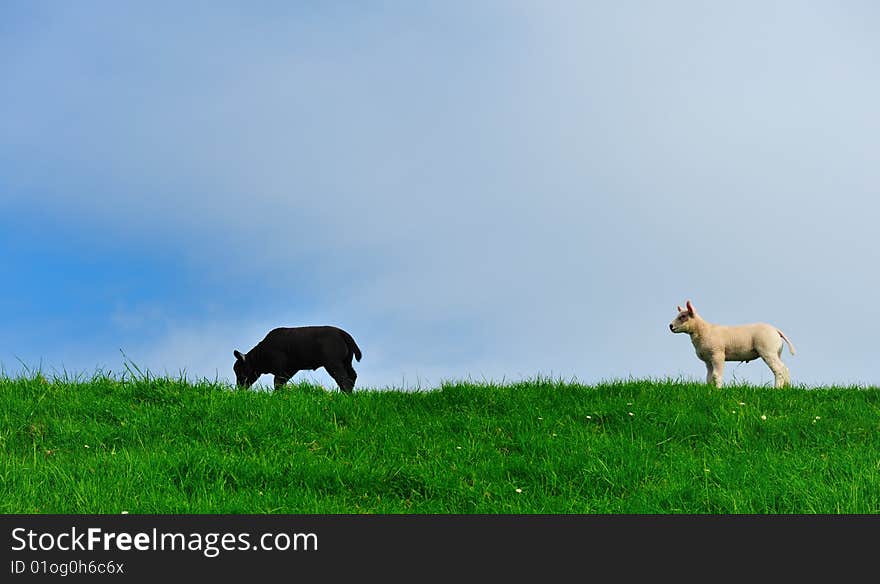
[785, 338]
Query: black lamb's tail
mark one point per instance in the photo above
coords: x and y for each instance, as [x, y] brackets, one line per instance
[351, 344]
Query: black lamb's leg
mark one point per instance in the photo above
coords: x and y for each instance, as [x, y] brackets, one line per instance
[341, 378]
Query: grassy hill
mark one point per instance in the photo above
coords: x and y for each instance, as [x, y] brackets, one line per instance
[543, 446]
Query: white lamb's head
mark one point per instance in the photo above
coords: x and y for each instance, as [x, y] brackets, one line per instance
[685, 321]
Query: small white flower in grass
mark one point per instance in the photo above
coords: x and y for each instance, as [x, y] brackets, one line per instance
[732, 411]
[540, 418]
[589, 417]
[763, 417]
[86, 445]
[553, 434]
[125, 512]
[818, 418]
[631, 414]
[742, 403]
[629, 403]
[458, 447]
[519, 490]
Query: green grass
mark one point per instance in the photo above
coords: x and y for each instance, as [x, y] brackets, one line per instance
[543, 446]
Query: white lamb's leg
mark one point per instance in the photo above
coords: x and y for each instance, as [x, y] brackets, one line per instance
[717, 369]
[780, 371]
[785, 370]
[710, 377]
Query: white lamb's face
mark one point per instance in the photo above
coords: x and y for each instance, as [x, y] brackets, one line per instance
[683, 323]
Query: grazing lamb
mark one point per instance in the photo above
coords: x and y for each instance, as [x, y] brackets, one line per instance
[717, 343]
[285, 351]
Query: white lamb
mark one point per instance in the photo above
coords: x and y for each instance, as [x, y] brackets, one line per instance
[717, 343]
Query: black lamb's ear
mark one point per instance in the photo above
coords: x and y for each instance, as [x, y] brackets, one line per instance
[238, 355]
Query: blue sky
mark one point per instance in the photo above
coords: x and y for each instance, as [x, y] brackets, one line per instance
[489, 190]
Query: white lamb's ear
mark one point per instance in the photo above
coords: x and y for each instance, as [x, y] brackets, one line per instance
[238, 355]
[691, 308]
[680, 309]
